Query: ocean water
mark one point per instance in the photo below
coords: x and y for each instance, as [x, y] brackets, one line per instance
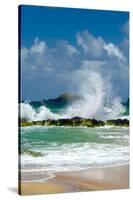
[85, 108]
[46, 150]
[69, 149]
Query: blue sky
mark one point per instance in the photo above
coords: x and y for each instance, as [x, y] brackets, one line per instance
[56, 43]
[63, 23]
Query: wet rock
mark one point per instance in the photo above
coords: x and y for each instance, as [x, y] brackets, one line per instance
[76, 121]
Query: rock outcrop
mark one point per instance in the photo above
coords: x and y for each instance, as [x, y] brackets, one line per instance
[76, 121]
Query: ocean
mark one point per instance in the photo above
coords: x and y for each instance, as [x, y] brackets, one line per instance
[45, 150]
[73, 148]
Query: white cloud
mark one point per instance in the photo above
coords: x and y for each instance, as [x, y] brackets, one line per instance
[24, 53]
[71, 50]
[38, 46]
[55, 67]
[91, 45]
[112, 50]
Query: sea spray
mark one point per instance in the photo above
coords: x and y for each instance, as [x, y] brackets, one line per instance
[98, 100]
[27, 112]
[90, 87]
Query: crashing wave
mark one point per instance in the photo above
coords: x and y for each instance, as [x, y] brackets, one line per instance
[98, 101]
[27, 112]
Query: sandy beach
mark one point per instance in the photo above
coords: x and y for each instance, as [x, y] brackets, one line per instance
[107, 178]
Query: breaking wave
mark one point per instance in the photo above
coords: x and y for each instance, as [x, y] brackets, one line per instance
[42, 113]
[98, 101]
[78, 109]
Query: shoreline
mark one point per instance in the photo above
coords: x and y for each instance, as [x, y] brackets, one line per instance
[102, 178]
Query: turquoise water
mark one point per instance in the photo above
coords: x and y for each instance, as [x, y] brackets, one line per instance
[45, 150]
[67, 149]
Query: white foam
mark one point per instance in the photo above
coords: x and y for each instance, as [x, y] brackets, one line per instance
[98, 101]
[78, 156]
[42, 113]
[76, 109]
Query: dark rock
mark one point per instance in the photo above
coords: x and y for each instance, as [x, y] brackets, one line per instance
[30, 152]
[76, 121]
[118, 122]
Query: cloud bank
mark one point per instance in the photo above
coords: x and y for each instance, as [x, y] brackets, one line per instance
[48, 71]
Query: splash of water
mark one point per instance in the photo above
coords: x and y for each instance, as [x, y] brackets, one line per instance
[98, 101]
[27, 112]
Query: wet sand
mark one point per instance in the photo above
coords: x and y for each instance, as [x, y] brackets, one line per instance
[107, 178]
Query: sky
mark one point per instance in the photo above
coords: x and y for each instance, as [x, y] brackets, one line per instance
[61, 47]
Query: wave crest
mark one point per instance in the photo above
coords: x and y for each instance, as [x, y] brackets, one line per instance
[98, 101]
[27, 112]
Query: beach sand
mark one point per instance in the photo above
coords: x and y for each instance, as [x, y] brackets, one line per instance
[107, 178]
